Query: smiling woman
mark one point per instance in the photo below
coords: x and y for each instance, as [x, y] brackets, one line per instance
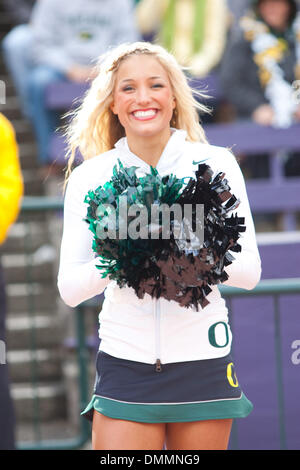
[164, 373]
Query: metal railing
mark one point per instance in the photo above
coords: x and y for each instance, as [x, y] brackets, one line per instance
[274, 288]
[33, 205]
[85, 430]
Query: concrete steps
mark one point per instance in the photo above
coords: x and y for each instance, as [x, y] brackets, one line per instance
[34, 324]
[21, 296]
[21, 327]
[45, 362]
[27, 153]
[9, 89]
[12, 108]
[17, 269]
[18, 233]
[37, 321]
[24, 132]
[48, 398]
[33, 185]
[49, 430]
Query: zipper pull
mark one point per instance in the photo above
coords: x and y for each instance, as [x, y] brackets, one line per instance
[158, 367]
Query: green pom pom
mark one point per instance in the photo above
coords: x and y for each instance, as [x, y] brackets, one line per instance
[124, 255]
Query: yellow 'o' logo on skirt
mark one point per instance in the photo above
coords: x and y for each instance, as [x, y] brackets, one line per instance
[229, 375]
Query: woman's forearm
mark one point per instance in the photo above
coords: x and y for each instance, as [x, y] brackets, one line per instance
[80, 282]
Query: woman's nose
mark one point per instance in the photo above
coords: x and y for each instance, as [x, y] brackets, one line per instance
[143, 95]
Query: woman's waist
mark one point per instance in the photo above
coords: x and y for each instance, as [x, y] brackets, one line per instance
[126, 295]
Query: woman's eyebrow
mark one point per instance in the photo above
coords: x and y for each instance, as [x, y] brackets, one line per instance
[149, 78]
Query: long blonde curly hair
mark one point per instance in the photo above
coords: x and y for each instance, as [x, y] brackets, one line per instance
[94, 129]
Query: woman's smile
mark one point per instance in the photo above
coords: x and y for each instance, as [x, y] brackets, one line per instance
[145, 114]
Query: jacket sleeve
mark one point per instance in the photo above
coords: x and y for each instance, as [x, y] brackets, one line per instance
[11, 182]
[78, 277]
[245, 270]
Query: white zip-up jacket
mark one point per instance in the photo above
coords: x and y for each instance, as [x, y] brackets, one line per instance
[150, 330]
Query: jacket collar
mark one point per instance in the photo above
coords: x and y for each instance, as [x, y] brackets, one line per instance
[171, 153]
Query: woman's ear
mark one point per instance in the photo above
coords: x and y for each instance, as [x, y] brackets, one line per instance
[113, 107]
[174, 102]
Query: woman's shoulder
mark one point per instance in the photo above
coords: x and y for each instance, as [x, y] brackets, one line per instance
[95, 169]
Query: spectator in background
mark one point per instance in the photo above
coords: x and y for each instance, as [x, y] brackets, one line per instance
[66, 37]
[16, 47]
[237, 9]
[194, 31]
[259, 68]
[11, 190]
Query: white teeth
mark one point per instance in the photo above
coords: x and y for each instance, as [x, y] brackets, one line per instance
[148, 113]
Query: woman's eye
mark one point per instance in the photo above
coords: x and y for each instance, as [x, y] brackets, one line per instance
[131, 88]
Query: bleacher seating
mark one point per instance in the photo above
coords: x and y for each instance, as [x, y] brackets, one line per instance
[260, 330]
[61, 94]
[276, 194]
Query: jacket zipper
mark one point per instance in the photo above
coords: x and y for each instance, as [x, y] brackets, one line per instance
[158, 366]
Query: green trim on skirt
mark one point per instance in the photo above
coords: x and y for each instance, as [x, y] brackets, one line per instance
[169, 413]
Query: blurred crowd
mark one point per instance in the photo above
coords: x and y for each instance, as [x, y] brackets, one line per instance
[252, 46]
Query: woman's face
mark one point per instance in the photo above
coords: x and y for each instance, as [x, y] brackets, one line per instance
[143, 97]
[275, 13]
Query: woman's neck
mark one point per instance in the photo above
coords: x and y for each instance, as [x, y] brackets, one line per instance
[149, 149]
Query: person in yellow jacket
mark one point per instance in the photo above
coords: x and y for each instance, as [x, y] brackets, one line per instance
[11, 183]
[11, 191]
[195, 31]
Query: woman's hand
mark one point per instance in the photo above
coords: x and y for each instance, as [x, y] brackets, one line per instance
[263, 115]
